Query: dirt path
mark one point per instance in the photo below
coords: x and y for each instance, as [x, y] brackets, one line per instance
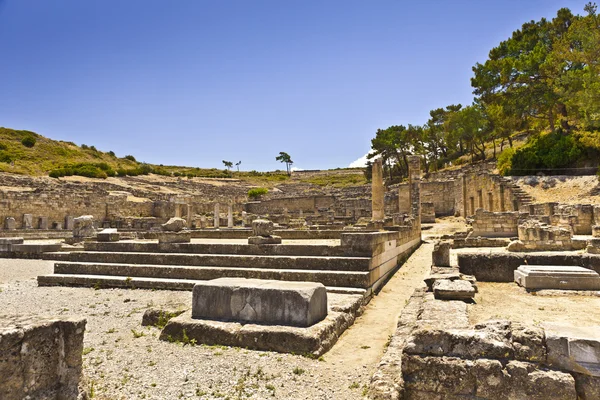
[362, 346]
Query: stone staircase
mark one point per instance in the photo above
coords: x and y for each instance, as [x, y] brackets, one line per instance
[522, 197]
[180, 266]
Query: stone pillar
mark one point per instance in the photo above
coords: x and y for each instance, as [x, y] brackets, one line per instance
[190, 215]
[27, 221]
[69, 224]
[43, 223]
[414, 187]
[202, 222]
[216, 222]
[244, 216]
[377, 192]
[230, 216]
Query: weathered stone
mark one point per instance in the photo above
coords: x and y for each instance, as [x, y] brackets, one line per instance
[10, 224]
[43, 223]
[217, 216]
[264, 239]
[557, 277]
[41, 358]
[260, 301]
[174, 237]
[446, 289]
[596, 231]
[262, 227]
[588, 387]
[83, 226]
[69, 222]
[6, 244]
[573, 348]
[230, 216]
[441, 253]
[27, 221]
[160, 317]
[174, 224]
[108, 235]
[377, 192]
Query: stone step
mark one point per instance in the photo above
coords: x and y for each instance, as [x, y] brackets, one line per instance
[222, 248]
[327, 278]
[226, 260]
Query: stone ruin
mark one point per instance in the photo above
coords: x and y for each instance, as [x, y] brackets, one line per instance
[262, 233]
[537, 236]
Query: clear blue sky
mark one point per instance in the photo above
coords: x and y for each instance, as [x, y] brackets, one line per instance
[193, 82]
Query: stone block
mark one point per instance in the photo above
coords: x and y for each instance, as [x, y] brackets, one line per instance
[573, 348]
[264, 240]
[40, 358]
[174, 224]
[441, 253]
[262, 227]
[10, 224]
[446, 289]
[174, 237]
[36, 247]
[108, 235]
[84, 226]
[557, 277]
[43, 223]
[69, 222]
[299, 304]
[27, 221]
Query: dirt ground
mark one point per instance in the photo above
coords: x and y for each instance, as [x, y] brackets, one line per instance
[512, 302]
[562, 189]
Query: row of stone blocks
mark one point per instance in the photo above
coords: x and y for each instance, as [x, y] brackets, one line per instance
[42, 223]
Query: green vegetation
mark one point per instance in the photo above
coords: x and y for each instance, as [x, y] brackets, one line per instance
[256, 193]
[28, 141]
[544, 80]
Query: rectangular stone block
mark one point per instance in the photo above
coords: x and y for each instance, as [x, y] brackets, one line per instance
[272, 302]
[557, 277]
[108, 235]
[69, 222]
[174, 237]
[27, 221]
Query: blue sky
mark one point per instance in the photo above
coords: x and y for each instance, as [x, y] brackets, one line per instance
[194, 82]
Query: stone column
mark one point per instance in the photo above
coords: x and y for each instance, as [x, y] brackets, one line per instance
[43, 223]
[10, 224]
[202, 222]
[244, 216]
[216, 222]
[190, 215]
[377, 192]
[27, 221]
[69, 222]
[230, 216]
[414, 187]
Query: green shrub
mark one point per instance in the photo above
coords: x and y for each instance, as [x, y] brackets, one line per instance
[84, 146]
[3, 146]
[111, 153]
[130, 158]
[255, 193]
[28, 141]
[505, 160]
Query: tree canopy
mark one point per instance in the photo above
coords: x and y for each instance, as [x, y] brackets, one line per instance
[543, 79]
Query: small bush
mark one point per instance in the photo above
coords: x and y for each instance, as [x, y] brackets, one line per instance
[130, 158]
[85, 146]
[28, 141]
[111, 153]
[3, 146]
[255, 193]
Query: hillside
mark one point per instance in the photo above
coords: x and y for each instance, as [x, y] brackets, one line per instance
[28, 153]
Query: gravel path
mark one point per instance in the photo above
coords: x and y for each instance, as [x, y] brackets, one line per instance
[123, 360]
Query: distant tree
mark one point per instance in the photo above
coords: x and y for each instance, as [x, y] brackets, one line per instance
[228, 164]
[237, 164]
[128, 157]
[285, 158]
[28, 141]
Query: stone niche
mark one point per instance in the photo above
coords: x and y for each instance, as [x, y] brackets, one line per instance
[40, 358]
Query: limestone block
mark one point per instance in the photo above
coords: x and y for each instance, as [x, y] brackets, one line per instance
[174, 237]
[43, 223]
[174, 224]
[446, 289]
[262, 227]
[573, 348]
[264, 239]
[27, 221]
[6, 244]
[596, 231]
[40, 358]
[260, 301]
[84, 226]
[108, 235]
[557, 277]
[441, 253]
[10, 224]
[69, 222]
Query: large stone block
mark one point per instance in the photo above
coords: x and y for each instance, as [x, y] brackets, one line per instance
[108, 235]
[27, 221]
[446, 289]
[174, 237]
[174, 224]
[40, 358]
[260, 301]
[10, 224]
[441, 253]
[572, 348]
[557, 277]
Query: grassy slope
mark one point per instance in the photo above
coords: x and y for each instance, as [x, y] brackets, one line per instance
[48, 154]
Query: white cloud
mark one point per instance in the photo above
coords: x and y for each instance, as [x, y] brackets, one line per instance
[296, 169]
[361, 162]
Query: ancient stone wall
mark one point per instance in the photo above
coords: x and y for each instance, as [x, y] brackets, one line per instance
[488, 192]
[40, 358]
[495, 224]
